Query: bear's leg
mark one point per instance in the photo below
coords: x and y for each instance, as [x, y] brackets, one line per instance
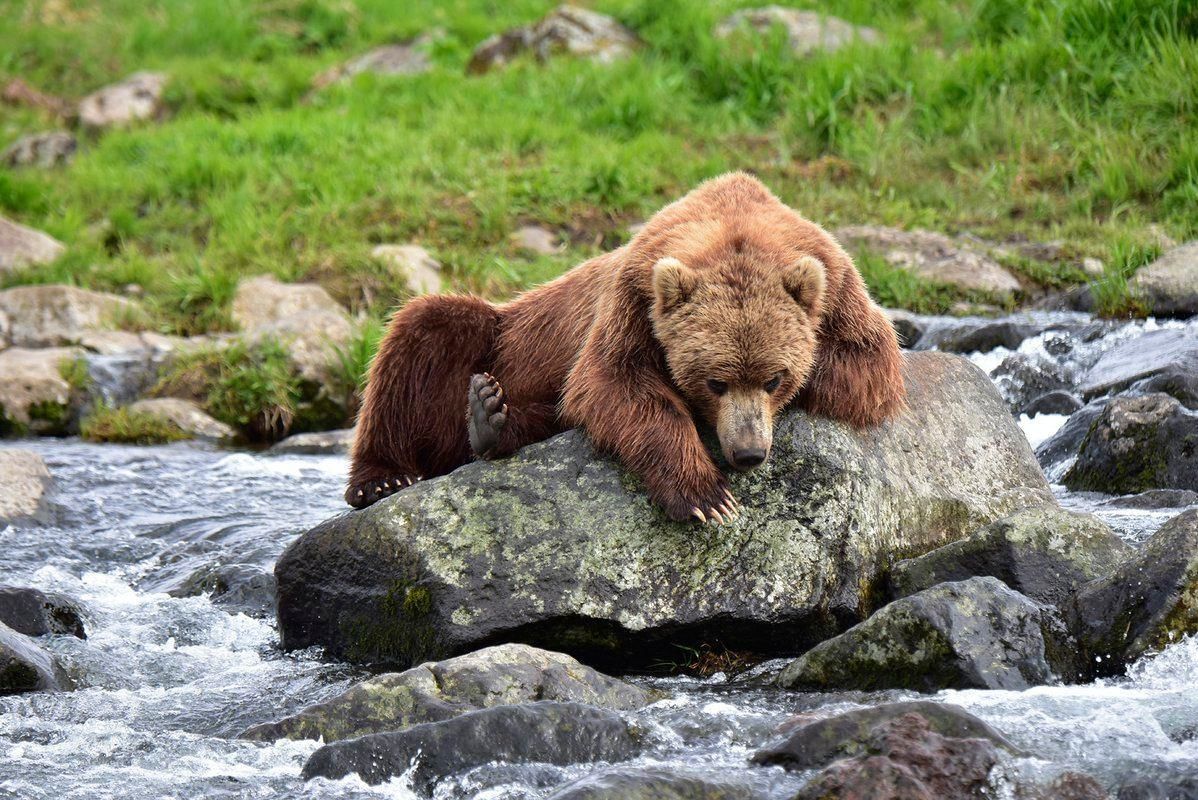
[497, 427]
[410, 426]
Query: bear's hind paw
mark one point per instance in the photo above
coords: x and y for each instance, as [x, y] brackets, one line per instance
[486, 414]
[366, 493]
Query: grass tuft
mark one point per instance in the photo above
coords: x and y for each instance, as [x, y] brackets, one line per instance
[123, 426]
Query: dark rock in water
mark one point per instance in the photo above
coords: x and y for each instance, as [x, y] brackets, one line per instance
[238, 587]
[545, 732]
[909, 327]
[503, 675]
[1132, 360]
[1066, 786]
[979, 336]
[822, 741]
[906, 758]
[1155, 499]
[976, 633]
[1046, 554]
[1136, 444]
[1145, 605]
[656, 783]
[36, 613]
[1176, 381]
[1065, 443]
[1178, 786]
[1054, 402]
[25, 667]
[559, 548]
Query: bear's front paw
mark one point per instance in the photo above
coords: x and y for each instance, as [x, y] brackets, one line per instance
[486, 414]
[365, 493]
[715, 505]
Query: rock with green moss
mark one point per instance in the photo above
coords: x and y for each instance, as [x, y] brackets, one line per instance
[560, 548]
[1136, 444]
[976, 633]
[1044, 553]
[542, 733]
[38, 394]
[505, 674]
[25, 667]
[1148, 603]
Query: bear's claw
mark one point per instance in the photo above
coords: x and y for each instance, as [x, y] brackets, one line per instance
[361, 495]
[722, 513]
[486, 414]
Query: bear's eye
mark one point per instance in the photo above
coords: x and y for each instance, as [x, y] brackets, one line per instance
[717, 387]
[772, 385]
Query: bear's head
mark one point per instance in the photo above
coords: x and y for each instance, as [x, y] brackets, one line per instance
[740, 341]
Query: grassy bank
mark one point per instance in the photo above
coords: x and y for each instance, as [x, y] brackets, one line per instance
[1046, 120]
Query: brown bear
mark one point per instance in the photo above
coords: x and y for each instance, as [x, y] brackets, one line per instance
[727, 306]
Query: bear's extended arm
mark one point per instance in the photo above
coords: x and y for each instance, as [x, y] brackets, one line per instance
[858, 375]
[619, 393]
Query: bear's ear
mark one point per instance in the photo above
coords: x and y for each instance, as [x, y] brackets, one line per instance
[673, 284]
[804, 281]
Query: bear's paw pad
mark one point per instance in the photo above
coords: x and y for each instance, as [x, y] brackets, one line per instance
[486, 414]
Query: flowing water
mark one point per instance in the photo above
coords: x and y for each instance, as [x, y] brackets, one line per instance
[167, 682]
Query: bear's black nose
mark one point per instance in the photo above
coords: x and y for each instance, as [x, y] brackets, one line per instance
[749, 457]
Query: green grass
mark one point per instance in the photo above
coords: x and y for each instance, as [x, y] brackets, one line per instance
[123, 426]
[1047, 119]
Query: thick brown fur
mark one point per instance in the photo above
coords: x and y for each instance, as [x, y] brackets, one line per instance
[726, 287]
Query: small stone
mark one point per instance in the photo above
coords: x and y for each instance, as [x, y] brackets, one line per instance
[186, 416]
[25, 667]
[138, 97]
[537, 240]
[320, 443]
[1170, 284]
[909, 327]
[807, 32]
[405, 58]
[24, 483]
[1093, 267]
[1054, 402]
[567, 29]
[414, 264]
[41, 150]
[22, 247]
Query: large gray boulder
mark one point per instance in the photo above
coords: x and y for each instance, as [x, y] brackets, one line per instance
[1145, 605]
[558, 547]
[1043, 553]
[542, 733]
[56, 314]
[1170, 284]
[975, 633]
[24, 484]
[25, 667]
[22, 247]
[1142, 357]
[501, 675]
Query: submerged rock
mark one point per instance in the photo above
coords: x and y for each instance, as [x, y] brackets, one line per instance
[976, 633]
[558, 547]
[56, 314]
[1154, 499]
[807, 32]
[566, 29]
[138, 97]
[24, 484]
[1044, 553]
[22, 247]
[502, 675]
[656, 783]
[1170, 284]
[36, 613]
[1136, 444]
[544, 733]
[1145, 605]
[186, 416]
[40, 150]
[25, 667]
[237, 587]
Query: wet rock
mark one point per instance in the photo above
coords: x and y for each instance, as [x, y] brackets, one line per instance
[980, 335]
[557, 547]
[1145, 604]
[241, 588]
[24, 483]
[414, 264]
[1176, 380]
[37, 613]
[1136, 444]
[656, 783]
[22, 247]
[1020, 377]
[819, 742]
[976, 633]
[544, 732]
[567, 29]
[1065, 443]
[502, 675]
[1054, 402]
[907, 757]
[1155, 499]
[909, 327]
[25, 667]
[405, 58]
[41, 150]
[933, 256]
[1044, 553]
[323, 443]
[807, 32]
[536, 240]
[1066, 786]
[138, 97]
[35, 397]
[301, 315]
[51, 315]
[186, 416]
[1139, 358]
[1175, 786]
[1170, 284]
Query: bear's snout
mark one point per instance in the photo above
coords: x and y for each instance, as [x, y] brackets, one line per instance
[745, 427]
[748, 457]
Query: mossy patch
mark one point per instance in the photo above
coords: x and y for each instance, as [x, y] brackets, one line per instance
[400, 630]
[124, 426]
